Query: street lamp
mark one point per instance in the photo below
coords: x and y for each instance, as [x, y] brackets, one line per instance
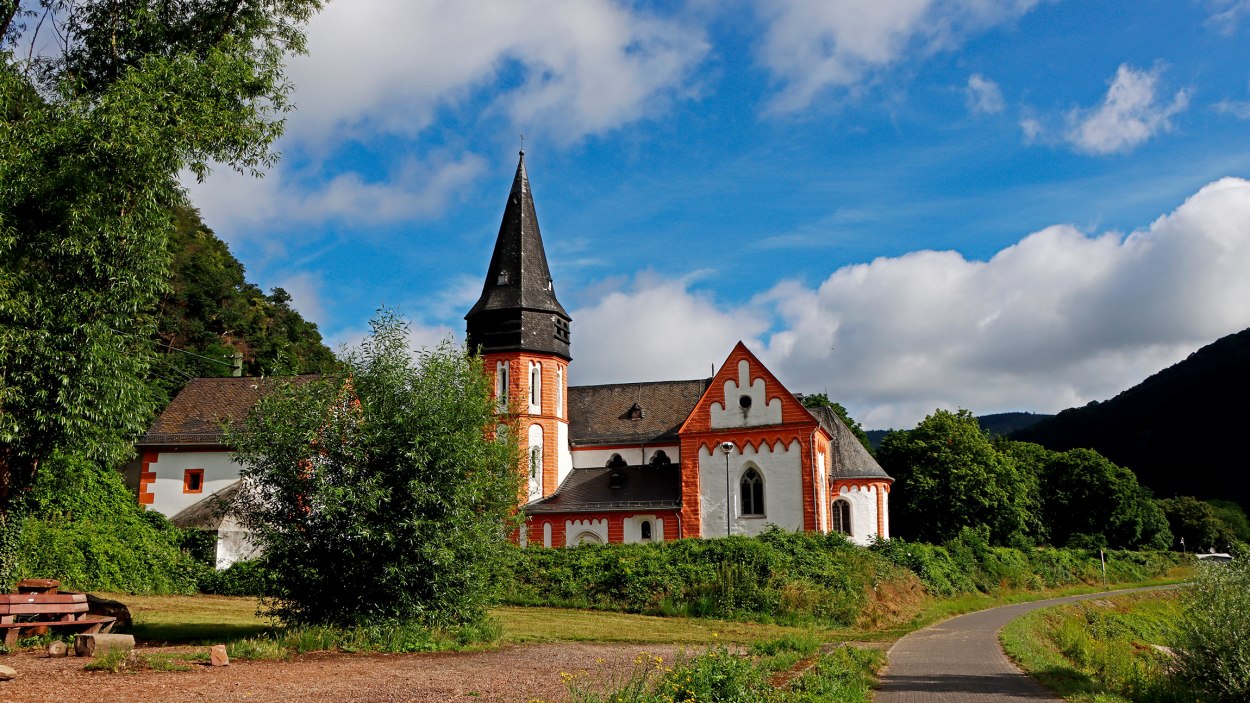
[727, 447]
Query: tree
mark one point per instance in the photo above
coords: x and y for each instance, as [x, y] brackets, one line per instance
[1088, 501]
[821, 400]
[948, 476]
[92, 140]
[1197, 523]
[377, 492]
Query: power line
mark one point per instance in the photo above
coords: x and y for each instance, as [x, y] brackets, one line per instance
[171, 346]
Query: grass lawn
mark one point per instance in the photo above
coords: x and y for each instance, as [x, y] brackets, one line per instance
[201, 618]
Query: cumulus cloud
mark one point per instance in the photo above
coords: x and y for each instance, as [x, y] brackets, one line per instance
[566, 68]
[414, 188]
[1128, 115]
[984, 95]
[1058, 319]
[813, 45]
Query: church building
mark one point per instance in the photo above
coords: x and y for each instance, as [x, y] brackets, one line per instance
[623, 462]
[662, 460]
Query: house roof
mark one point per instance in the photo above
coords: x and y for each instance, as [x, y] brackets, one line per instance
[196, 415]
[850, 458]
[590, 490]
[209, 512]
[601, 414]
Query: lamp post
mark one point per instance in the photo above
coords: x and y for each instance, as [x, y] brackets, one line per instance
[727, 447]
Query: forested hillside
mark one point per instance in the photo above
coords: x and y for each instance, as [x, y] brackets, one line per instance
[1173, 428]
[997, 424]
[211, 311]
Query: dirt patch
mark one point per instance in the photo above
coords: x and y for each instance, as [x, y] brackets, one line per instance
[892, 602]
[510, 674]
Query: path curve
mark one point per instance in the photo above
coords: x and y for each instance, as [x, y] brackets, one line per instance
[960, 660]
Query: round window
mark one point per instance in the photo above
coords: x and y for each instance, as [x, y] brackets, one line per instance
[744, 402]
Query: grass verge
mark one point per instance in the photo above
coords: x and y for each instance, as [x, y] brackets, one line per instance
[1101, 651]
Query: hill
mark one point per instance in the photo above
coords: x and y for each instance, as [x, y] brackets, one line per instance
[1170, 429]
[995, 424]
[211, 311]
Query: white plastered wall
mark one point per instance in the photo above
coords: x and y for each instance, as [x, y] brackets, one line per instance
[574, 528]
[170, 468]
[782, 470]
[234, 543]
[633, 528]
[822, 497]
[863, 500]
[634, 456]
[564, 457]
[732, 414]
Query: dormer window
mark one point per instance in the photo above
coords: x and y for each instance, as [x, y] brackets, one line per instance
[635, 412]
[503, 278]
[616, 480]
[562, 329]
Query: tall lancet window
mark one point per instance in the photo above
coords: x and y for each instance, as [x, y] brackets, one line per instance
[559, 391]
[842, 516]
[536, 388]
[752, 486]
[501, 385]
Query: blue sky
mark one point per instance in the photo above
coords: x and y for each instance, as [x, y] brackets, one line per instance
[1013, 205]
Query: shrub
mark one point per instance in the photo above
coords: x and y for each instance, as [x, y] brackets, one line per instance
[1214, 632]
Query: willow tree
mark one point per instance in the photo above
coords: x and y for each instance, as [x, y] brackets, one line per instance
[118, 99]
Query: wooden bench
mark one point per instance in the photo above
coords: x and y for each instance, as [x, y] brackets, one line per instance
[37, 607]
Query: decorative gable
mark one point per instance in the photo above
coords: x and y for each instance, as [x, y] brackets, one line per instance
[744, 395]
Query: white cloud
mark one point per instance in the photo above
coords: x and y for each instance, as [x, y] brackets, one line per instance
[655, 329]
[1128, 115]
[421, 336]
[565, 69]
[984, 95]
[1032, 129]
[1226, 15]
[813, 45]
[1056, 320]
[414, 188]
[305, 296]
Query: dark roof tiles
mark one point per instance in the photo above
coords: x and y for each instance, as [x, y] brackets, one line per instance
[590, 490]
[601, 414]
[195, 416]
[850, 458]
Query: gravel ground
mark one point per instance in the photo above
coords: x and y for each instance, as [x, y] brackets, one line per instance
[510, 674]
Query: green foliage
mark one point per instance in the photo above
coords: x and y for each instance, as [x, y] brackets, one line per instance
[211, 311]
[1196, 522]
[821, 400]
[1213, 641]
[780, 575]
[383, 636]
[948, 475]
[1233, 517]
[1089, 502]
[92, 142]
[1101, 650]
[375, 491]
[85, 529]
[242, 578]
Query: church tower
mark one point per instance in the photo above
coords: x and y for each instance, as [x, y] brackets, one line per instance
[522, 334]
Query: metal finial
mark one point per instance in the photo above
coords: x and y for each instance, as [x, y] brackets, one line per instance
[522, 143]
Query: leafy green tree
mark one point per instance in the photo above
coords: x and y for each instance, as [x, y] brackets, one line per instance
[821, 400]
[92, 139]
[1233, 517]
[211, 311]
[376, 492]
[1088, 501]
[948, 475]
[1196, 522]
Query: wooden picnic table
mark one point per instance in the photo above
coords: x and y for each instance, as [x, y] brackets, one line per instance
[39, 606]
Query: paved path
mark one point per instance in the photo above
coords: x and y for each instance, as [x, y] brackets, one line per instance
[960, 660]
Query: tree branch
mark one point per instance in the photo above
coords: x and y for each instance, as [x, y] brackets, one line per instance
[8, 10]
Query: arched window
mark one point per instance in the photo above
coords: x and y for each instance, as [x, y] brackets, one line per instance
[645, 530]
[752, 485]
[616, 462]
[842, 516]
[660, 458]
[501, 385]
[536, 387]
[589, 538]
[559, 391]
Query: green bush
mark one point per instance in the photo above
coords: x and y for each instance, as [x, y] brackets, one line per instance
[1214, 634]
[86, 529]
[244, 578]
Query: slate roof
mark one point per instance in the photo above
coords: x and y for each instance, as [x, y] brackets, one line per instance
[210, 512]
[195, 416]
[589, 490]
[850, 459]
[518, 281]
[600, 414]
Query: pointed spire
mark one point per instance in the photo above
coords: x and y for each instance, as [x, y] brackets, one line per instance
[518, 309]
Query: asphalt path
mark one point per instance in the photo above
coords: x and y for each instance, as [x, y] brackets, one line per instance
[961, 661]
